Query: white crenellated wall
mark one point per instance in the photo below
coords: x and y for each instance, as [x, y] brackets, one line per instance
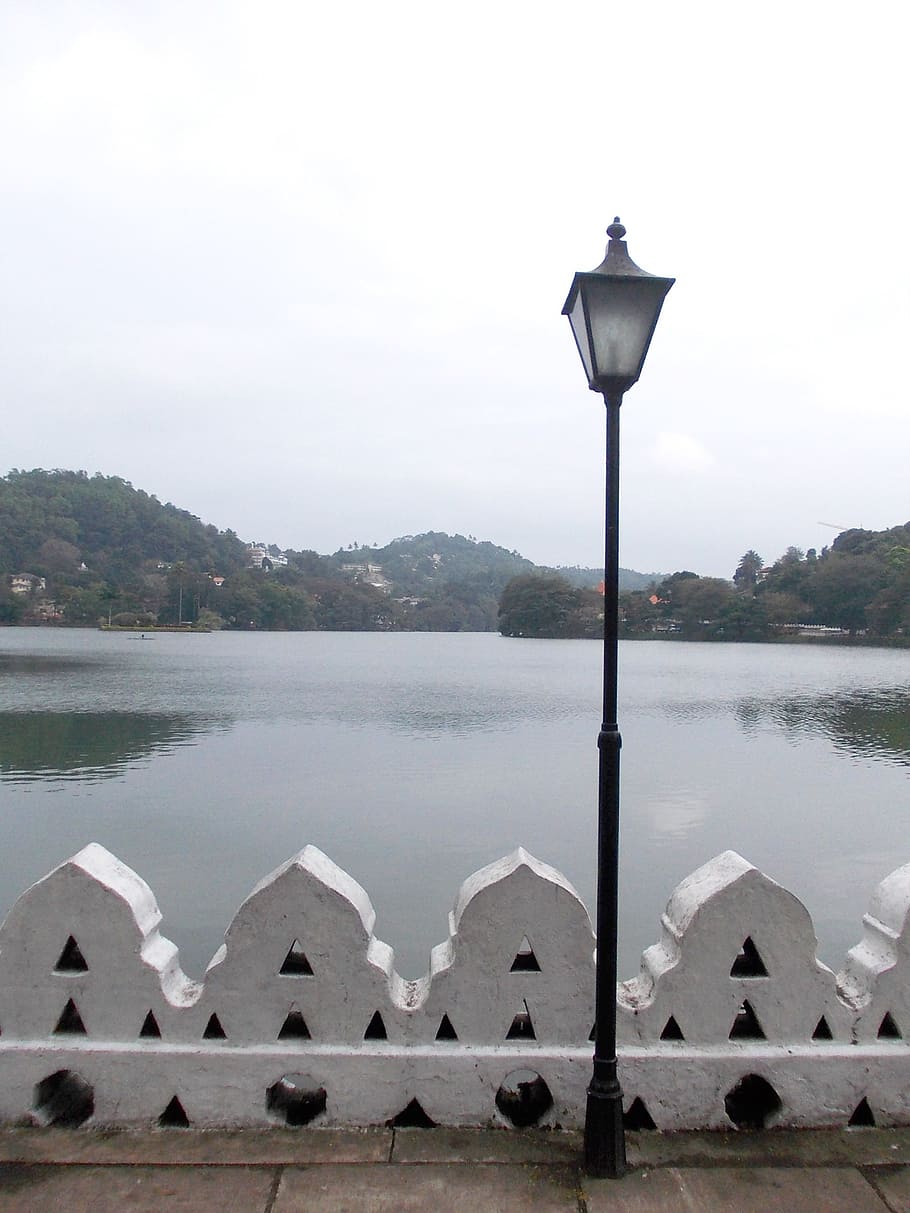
[302, 1018]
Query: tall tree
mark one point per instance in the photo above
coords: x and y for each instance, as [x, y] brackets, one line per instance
[748, 571]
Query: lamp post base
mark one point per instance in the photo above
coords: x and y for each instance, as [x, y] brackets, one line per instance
[605, 1142]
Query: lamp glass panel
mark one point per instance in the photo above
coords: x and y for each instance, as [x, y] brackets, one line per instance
[623, 313]
[580, 330]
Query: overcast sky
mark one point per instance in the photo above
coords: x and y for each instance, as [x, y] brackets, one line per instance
[298, 267]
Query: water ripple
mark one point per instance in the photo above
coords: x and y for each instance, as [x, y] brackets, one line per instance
[88, 746]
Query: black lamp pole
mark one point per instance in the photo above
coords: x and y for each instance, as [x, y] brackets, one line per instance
[613, 312]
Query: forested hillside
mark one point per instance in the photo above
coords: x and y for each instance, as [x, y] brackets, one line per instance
[52, 521]
[106, 551]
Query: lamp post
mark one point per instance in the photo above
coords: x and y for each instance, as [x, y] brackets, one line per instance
[613, 311]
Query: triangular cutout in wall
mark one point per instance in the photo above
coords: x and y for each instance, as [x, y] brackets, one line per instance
[150, 1029]
[672, 1030]
[862, 1117]
[213, 1029]
[412, 1116]
[888, 1029]
[522, 1028]
[638, 1117]
[376, 1029]
[70, 1022]
[746, 1025]
[748, 962]
[71, 959]
[822, 1030]
[174, 1116]
[296, 963]
[446, 1031]
[294, 1027]
[525, 961]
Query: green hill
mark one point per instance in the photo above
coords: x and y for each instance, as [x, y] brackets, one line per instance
[107, 551]
[52, 522]
[101, 547]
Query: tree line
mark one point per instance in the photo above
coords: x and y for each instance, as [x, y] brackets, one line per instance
[859, 586]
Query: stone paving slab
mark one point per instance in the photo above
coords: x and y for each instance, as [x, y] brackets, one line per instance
[452, 1188]
[41, 1189]
[735, 1190]
[218, 1147]
[779, 1190]
[444, 1170]
[503, 1146]
[777, 1147]
[893, 1185]
[637, 1192]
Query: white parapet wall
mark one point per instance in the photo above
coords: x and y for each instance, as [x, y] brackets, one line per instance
[302, 1018]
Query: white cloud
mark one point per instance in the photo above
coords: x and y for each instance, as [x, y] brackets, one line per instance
[682, 454]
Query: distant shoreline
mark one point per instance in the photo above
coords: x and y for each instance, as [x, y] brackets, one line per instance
[844, 641]
[153, 627]
[869, 642]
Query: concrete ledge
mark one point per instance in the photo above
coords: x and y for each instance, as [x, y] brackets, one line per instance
[188, 1147]
[487, 1146]
[807, 1148]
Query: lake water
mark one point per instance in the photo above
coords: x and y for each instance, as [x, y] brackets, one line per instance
[204, 761]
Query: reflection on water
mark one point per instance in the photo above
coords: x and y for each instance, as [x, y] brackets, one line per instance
[872, 723]
[20, 664]
[414, 759]
[86, 746]
[676, 814]
[427, 711]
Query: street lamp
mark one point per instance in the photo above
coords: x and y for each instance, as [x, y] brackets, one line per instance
[613, 311]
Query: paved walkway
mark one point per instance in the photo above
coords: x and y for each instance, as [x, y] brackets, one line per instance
[445, 1170]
